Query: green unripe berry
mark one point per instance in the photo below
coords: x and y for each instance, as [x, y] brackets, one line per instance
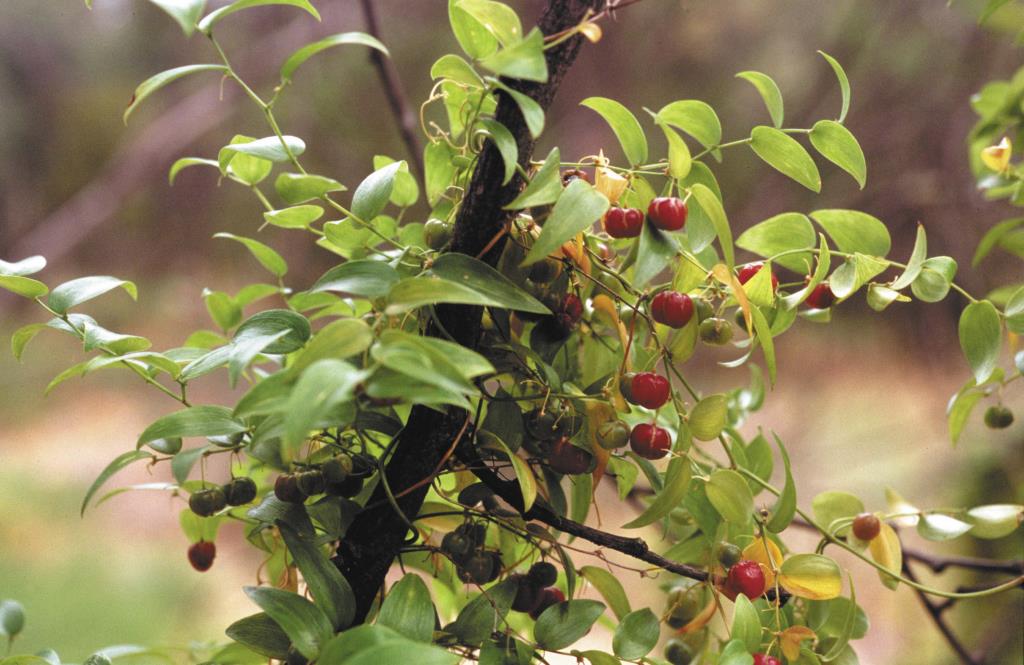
[998, 417]
[703, 309]
[715, 331]
[728, 554]
[613, 434]
[437, 233]
[678, 652]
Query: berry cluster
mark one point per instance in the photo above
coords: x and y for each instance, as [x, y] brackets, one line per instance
[465, 546]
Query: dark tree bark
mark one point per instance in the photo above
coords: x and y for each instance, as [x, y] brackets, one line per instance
[377, 534]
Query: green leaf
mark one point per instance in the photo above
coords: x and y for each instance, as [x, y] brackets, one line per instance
[784, 510]
[625, 125]
[455, 68]
[215, 16]
[185, 12]
[296, 217]
[309, 50]
[22, 336]
[506, 144]
[657, 249]
[185, 162]
[12, 619]
[486, 281]
[223, 309]
[367, 278]
[23, 286]
[959, 409]
[245, 168]
[855, 272]
[545, 187]
[408, 609]
[524, 474]
[729, 493]
[322, 387]
[812, 576]
[735, 653]
[559, 626]
[296, 187]
[938, 527]
[981, 338]
[267, 257]
[304, 623]
[680, 161]
[439, 170]
[1014, 312]
[993, 238]
[338, 339]
[694, 117]
[118, 463]
[521, 60]
[636, 635]
[610, 589]
[769, 92]
[330, 590]
[835, 505]
[202, 420]
[668, 497]
[532, 112]
[916, 262]
[80, 290]
[844, 83]
[782, 233]
[474, 37]
[498, 18]
[838, 145]
[709, 417]
[578, 208]
[270, 148]
[261, 634]
[854, 231]
[746, 624]
[712, 207]
[273, 321]
[785, 154]
[935, 279]
[29, 266]
[157, 81]
[996, 520]
[373, 193]
[405, 191]
[482, 615]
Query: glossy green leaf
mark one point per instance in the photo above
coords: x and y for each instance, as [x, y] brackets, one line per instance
[834, 505]
[267, 257]
[118, 463]
[844, 84]
[157, 81]
[782, 233]
[506, 144]
[498, 18]
[408, 609]
[272, 321]
[668, 497]
[655, 253]
[322, 387]
[532, 112]
[746, 624]
[338, 339]
[680, 161]
[455, 68]
[854, 231]
[185, 12]
[916, 262]
[958, 412]
[439, 170]
[304, 623]
[729, 493]
[330, 590]
[785, 154]
[784, 510]
[491, 287]
[474, 38]
[374, 191]
[711, 204]
[524, 474]
[939, 527]
[295, 217]
[735, 653]
[482, 615]
[636, 634]
[935, 279]
[309, 50]
[610, 589]
[559, 626]
[22, 336]
[545, 187]
[270, 148]
[521, 60]
[214, 17]
[249, 169]
[368, 278]
[996, 520]
[201, 420]
[261, 634]
[23, 286]
[770, 94]
[297, 188]
[981, 338]
[709, 417]
[185, 162]
[80, 290]
[406, 191]
[625, 125]
[576, 210]
[694, 117]
[838, 145]
[993, 238]
[29, 266]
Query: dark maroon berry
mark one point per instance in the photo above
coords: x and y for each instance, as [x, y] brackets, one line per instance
[543, 573]
[550, 596]
[206, 502]
[569, 459]
[240, 491]
[201, 555]
[821, 297]
[286, 488]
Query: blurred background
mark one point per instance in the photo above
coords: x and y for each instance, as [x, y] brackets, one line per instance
[860, 403]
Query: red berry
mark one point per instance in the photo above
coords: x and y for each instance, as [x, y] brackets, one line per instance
[650, 441]
[672, 308]
[667, 213]
[572, 306]
[866, 526]
[821, 297]
[765, 659]
[748, 271]
[201, 555]
[648, 389]
[550, 596]
[746, 577]
[569, 459]
[623, 222]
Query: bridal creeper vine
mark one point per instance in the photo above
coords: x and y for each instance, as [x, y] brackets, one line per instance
[597, 279]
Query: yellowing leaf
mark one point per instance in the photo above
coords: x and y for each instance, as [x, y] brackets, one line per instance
[591, 31]
[609, 183]
[790, 639]
[766, 553]
[598, 413]
[997, 157]
[811, 576]
[886, 551]
[725, 276]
